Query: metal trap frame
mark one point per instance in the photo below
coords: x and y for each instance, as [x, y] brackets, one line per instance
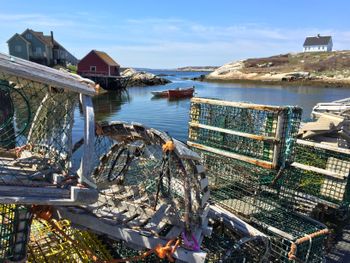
[152, 189]
[38, 104]
[244, 149]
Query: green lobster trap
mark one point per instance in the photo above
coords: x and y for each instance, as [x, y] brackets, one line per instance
[317, 182]
[244, 148]
[15, 222]
[38, 108]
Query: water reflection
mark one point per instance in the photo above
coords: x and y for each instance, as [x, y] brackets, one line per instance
[109, 103]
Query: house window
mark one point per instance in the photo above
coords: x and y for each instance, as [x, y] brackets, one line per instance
[28, 36]
[38, 50]
[93, 68]
[18, 48]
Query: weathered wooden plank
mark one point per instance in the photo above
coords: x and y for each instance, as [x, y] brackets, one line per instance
[204, 183]
[237, 104]
[205, 198]
[28, 70]
[278, 137]
[200, 169]
[232, 132]
[174, 232]
[318, 170]
[261, 163]
[323, 146]
[157, 223]
[85, 170]
[233, 222]
[184, 152]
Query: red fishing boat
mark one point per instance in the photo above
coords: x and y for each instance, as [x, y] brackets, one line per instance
[181, 93]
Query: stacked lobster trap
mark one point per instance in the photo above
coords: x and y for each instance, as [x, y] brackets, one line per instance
[318, 180]
[246, 148]
[36, 145]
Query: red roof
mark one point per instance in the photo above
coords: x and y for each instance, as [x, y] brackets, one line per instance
[106, 58]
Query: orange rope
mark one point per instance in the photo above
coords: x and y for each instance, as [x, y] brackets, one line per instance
[162, 252]
[293, 247]
[169, 146]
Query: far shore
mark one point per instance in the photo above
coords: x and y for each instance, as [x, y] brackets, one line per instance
[315, 83]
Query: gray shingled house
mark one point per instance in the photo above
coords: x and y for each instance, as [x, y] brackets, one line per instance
[35, 46]
[318, 44]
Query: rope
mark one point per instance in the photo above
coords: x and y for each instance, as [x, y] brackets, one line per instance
[293, 247]
[169, 146]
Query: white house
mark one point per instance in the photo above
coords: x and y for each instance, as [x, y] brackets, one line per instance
[318, 44]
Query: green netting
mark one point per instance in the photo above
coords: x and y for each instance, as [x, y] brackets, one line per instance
[246, 186]
[301, 183]
[244, 189]
[15, 224]
[245, 126]
[35, 130]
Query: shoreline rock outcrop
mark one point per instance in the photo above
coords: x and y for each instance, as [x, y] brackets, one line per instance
[327, 68]
[141, 78]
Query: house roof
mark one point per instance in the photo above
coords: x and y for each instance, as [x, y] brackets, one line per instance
[317, 40]
[106, 58]
[19, 36]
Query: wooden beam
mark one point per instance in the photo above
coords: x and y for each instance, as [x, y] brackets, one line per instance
[237, 104]
[85, 170]
[323, 146]
[261, 163]
[232, 132]
[28, 70]
[318, 170]
[130, 236]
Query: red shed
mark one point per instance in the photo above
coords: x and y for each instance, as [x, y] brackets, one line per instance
[98, 63]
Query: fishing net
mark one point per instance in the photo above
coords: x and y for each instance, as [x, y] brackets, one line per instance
[149, 184]
[15, 223]
[240, 175]
[50, 244]
[36, 139]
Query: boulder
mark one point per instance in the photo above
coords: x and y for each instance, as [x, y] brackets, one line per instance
[141, 78]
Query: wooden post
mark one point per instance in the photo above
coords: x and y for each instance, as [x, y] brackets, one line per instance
[85, 169]
[278, 139]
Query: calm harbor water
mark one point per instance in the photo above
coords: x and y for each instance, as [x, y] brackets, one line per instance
[136, 104]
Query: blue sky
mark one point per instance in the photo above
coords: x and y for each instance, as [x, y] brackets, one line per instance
[168, 34]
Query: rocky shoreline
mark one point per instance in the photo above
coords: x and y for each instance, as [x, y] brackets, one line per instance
[141, 78]
[289, 69]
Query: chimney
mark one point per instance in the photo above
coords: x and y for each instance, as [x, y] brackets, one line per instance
[52, 41]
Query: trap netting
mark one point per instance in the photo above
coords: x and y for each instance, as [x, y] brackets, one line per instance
[35, 140]
[245, 190]
[15, 224]
[63, 243]
[318, 175]
[261, 134]
[149, 184]
[242, 146]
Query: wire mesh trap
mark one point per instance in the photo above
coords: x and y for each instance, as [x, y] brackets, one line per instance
[319, 175]
[15, 224]
[50, 244]
[37, 116]
[152, 190]
[243, 170]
